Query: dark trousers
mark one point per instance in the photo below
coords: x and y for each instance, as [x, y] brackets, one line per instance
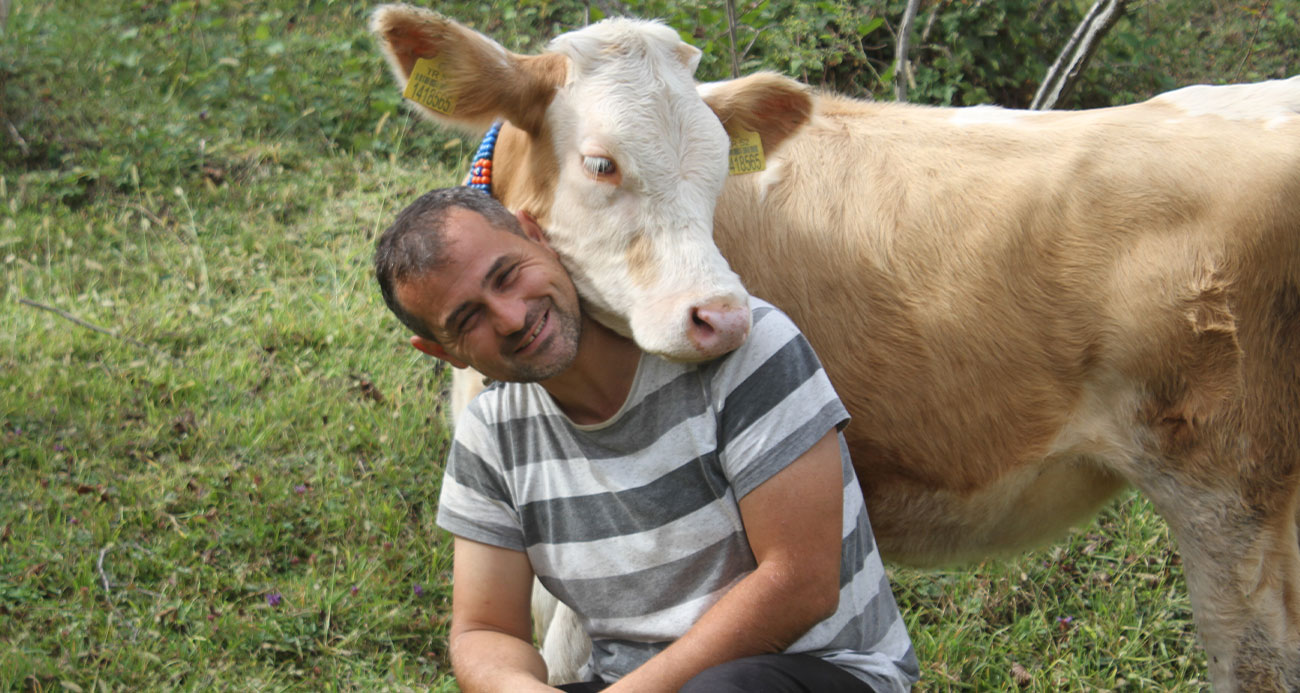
[770, 673]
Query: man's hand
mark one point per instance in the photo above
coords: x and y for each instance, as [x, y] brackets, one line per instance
[793, 522]
[491, 636]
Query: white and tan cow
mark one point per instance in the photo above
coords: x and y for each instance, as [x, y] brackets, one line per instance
[1023, 312]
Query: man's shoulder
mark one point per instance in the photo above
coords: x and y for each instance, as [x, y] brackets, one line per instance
[775, 358]
[495, 421]
[501, 402]
[770, 322]
[771, 330]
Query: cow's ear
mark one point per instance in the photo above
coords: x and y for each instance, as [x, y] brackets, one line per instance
[477, 80]
[773, 106]
[688, 56]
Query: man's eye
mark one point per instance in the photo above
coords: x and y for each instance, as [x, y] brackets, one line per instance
[467, 321]
[508, 276]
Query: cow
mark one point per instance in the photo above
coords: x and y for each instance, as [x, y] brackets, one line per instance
[1023, 312]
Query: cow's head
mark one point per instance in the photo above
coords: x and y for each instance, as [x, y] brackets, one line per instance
[611, 147]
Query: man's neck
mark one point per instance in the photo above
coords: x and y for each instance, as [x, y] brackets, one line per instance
[594, 388]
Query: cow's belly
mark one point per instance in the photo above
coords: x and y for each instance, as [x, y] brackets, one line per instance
[1015, 505]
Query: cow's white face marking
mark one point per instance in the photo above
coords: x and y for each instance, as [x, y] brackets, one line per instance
[642, 162]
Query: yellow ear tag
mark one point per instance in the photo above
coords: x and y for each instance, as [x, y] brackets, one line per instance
[428, 86]
[746, 154]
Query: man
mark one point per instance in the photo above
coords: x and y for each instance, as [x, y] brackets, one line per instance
[703, 520]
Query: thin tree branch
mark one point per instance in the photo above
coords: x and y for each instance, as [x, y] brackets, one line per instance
[149, 215]
[613, 8]
[96, 328]
[1063, 73]
[903, 66]
[731, 33]
[929, 24]
[18, 138]
[100, 566]
[1250, 47]
[753, 40]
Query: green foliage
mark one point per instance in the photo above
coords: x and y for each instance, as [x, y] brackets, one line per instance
[1160, 46]
[830, 43]
[968, 52]
[988, 52]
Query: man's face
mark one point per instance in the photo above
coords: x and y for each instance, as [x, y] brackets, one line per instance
[501, 303]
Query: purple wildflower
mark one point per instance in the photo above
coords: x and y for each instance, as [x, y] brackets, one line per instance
[59, 448]
[273, 599]
[354, 590]
[300, 489]
[419, 591]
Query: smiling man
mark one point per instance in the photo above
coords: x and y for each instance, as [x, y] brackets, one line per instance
[703, 520]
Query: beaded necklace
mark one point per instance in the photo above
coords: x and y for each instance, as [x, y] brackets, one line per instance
[480, 172]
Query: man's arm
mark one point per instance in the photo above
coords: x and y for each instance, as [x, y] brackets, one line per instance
[793, 522]
[491, 635]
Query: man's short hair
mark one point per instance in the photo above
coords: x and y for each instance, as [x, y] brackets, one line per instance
[413, 245]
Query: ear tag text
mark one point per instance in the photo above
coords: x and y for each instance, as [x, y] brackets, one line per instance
[746, 154]
[429, 86]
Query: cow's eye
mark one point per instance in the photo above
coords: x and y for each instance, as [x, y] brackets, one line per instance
[598, 166]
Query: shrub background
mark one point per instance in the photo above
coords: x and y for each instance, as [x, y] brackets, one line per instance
[234, 490]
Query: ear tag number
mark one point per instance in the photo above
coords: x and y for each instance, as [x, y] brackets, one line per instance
[746, 154]
[428, 86]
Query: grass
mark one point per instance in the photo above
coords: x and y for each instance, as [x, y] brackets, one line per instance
[235, 489]
[275, 437]
[1104, 610]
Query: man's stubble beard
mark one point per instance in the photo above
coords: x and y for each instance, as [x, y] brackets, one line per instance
[566, 331]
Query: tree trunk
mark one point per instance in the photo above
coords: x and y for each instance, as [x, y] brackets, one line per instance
[731, 32]
[903, 66]
[1063, 73]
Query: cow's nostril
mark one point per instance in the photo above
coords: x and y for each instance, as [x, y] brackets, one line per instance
[718, 327]
[700, 321]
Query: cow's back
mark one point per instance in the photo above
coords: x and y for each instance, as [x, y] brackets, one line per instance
[1019, 292]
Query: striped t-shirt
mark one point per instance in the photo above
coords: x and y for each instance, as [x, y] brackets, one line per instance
[634, 522]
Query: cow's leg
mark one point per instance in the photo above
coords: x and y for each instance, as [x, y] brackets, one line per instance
[564, 645]
[1245, 590]
[466, 383]
[1220, 459]
[1237, 533]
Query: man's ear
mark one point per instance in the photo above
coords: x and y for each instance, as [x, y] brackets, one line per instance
[435, 350]
[531, 228]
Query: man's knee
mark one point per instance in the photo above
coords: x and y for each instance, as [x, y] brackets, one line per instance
[737, 676]
[774, 673]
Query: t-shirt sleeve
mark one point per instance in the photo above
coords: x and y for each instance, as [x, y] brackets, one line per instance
[475, 502]
[776, 400]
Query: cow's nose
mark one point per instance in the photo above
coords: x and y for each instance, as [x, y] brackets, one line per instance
[718, 327]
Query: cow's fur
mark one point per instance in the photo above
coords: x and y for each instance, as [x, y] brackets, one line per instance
[1023, 312]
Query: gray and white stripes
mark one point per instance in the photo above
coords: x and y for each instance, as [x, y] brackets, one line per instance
[634, 522]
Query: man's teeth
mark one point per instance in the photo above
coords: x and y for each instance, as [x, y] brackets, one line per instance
[536, 331]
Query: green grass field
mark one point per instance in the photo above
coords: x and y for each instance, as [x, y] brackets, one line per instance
[220, 459]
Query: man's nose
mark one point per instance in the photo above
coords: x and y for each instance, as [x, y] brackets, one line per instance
[509, 315]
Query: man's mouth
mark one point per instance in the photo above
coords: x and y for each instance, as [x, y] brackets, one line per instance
[532, 336]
